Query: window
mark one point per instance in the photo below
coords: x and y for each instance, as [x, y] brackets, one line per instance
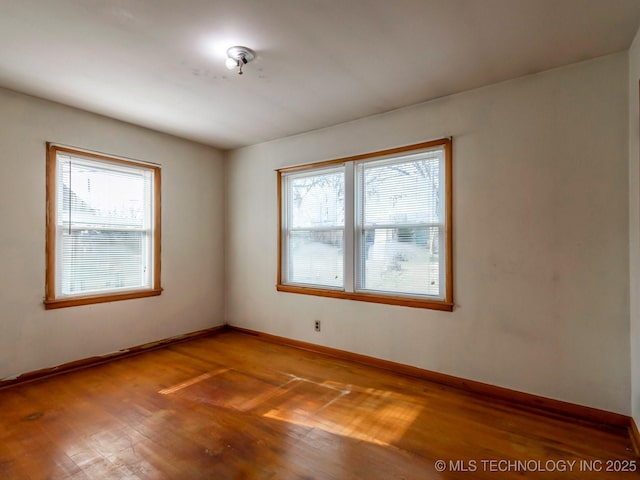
[103, 228]
[315, 220]
[375, 227]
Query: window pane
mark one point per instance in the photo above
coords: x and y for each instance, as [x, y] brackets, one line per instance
[317, 200]
[95, 261]
[406, 192]
[400, 220]
[402, 260]
[104, 226]
[95, 195]
[315, 233]
[316, 257]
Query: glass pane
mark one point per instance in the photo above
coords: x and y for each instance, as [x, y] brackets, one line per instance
[316, 257]
[104, 222]
[401, 260]
[407, 192]
[102, 260]
[317, 200]
[96, 196]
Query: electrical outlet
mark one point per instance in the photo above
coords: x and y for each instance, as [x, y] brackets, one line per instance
[317, 325]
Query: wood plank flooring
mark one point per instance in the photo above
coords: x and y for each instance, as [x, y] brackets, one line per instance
[232, 406]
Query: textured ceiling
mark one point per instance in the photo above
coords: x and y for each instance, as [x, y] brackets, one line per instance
[160, 63]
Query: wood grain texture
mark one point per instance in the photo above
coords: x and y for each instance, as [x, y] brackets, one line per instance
[543, 405]
[368, 297]
[50, 225]
[233, 406]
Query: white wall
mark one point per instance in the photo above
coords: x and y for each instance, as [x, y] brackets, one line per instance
[192, 244]
[540, 238]
[634, 223]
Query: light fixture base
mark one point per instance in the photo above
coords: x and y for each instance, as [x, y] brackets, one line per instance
[239, 52]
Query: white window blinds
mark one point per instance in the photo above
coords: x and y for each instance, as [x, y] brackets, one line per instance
[104, 226]
[314, 227]
[400, 225]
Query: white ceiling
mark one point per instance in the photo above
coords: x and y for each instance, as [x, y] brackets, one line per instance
[160, 63]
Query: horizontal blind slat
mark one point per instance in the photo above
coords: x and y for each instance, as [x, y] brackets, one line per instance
[315, 228]
[104, 226]
[400, 220]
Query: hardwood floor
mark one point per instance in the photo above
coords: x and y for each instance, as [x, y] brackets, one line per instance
[232, 406]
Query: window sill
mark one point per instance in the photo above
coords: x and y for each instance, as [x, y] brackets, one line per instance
[369, 297]
[88, 300]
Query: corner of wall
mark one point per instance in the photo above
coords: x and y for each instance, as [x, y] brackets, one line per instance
[226, 159]
[634, 223]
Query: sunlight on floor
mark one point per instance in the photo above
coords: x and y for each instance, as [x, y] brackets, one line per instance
[188, 383]
[376, 416]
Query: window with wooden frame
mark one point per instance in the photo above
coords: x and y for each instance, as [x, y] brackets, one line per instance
[103, 228]
[375, 227]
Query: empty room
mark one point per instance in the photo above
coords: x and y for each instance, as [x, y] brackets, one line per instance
[319, 239]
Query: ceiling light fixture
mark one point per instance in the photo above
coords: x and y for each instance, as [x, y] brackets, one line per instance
[238, 57]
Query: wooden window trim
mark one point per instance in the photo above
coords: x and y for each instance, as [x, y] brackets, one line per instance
[50, 300]
[403, 300]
